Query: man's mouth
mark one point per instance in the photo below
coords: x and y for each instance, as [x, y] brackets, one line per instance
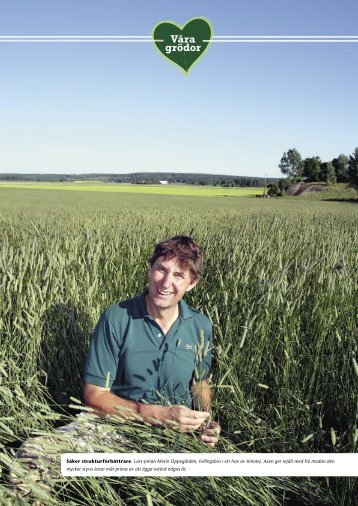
[163, 292]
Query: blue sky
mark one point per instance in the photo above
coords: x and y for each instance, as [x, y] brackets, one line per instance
[120, 107]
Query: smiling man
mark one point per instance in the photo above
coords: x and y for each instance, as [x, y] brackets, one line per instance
[151, 354]
[150, 357]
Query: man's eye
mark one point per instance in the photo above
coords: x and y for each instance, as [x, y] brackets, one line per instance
[179, 276]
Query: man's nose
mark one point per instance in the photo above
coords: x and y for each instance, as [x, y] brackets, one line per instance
[167, 280]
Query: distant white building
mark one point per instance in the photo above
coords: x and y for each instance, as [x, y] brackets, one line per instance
[163, 182]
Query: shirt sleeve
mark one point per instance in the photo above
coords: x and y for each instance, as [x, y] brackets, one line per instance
[103, 355]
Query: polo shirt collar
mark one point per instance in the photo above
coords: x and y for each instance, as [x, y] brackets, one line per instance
[184, 310]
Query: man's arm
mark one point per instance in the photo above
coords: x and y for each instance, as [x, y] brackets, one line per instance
[102, 400]
[176, 417]
[201, 393]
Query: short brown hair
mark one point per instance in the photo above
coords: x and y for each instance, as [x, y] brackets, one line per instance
[185, 249]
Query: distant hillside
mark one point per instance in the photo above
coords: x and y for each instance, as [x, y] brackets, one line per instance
[146, 178]
[303, 188]
[321, 191]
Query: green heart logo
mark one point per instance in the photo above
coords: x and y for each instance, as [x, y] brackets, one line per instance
[183, 45]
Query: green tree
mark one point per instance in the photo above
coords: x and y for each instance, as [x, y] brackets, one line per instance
[340, 165]
[312, 169]
[273, 190]
[328, 173]
[291, 163]
[353, 168]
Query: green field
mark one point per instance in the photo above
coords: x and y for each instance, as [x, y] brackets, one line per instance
[279, 285]
[202, 191]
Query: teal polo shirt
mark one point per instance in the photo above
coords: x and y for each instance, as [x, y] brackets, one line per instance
[143, 364]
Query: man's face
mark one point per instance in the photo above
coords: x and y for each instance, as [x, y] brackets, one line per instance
[168, 282]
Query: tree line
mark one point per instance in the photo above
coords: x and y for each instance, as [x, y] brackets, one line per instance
[147, 178]
[342, 169]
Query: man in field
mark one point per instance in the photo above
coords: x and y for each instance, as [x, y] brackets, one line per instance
[149, 359]
[150, 355]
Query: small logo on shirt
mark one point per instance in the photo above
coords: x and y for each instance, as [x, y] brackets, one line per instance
[188, 347]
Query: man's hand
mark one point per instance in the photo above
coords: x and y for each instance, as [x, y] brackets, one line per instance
[184, 419]
[211, 433]
[176, 417]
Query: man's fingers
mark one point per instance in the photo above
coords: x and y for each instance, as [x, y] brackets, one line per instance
[213, 426]
[211, 440]
[210, 435]
[185, 419]
[189, 416]
[186, 425]
[192, 421]
[190, 413]
[200, 415]
[197, 417]
[212, 431]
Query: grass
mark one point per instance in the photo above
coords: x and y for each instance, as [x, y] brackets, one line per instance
[279, 286]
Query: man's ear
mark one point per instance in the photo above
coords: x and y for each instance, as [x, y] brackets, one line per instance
[192, 284]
